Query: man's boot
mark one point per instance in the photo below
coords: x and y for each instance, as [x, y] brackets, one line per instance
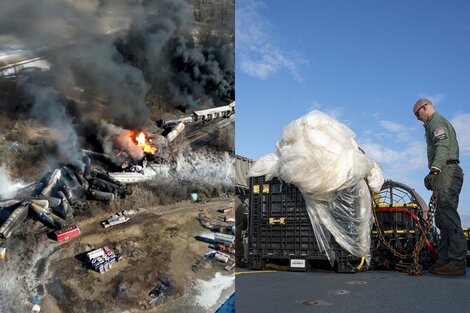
[433, 267]
[451, 269]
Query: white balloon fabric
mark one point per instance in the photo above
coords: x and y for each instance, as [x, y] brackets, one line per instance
[320, 156]
[267, 165]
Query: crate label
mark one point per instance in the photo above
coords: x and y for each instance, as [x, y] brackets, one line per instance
[265, 188]
[466, 233]
[255, 188]
[297, 263]
[273, 220]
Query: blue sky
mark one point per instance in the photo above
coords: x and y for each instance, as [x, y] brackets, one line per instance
[364, 63]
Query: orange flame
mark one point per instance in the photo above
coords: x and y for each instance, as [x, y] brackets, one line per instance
[144, 142]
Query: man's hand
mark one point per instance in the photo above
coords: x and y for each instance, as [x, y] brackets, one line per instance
[430, 179]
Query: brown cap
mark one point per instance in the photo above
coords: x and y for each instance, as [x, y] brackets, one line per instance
[420, 103]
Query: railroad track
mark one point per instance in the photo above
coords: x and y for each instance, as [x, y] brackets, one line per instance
[208, 132]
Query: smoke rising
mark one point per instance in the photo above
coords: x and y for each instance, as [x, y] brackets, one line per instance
[191, 72]
[118, 144]
[203, 167]
[202, 74]
[7, 186]
[101, 70]
[204, 172]
[116, 52]
[49, 110]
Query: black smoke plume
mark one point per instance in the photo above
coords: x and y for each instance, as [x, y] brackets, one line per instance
[195, 71]
[112, 54]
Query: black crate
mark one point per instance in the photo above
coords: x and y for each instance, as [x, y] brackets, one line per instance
[280, 228]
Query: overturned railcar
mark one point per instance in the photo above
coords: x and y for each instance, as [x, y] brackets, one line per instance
[11, 217]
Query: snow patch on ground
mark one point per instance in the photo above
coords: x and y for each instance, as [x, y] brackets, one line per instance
[210, 291]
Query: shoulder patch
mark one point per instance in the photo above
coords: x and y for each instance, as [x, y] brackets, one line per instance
[440, 134]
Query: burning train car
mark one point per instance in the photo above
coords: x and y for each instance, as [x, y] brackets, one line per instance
[120, 144]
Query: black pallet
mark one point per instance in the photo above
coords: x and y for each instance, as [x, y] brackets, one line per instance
[280, 227]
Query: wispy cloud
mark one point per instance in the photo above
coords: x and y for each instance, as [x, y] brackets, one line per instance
[464, 27]
[259, 55]
[436, 98]
[398, 131]
[397, 149]
[411, 157]
[381, 154]
[393, 127]
[334, 112]
[460, 123]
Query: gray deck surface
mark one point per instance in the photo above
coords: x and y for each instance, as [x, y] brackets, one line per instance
[371, 291]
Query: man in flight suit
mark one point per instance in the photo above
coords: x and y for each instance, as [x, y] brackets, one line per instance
[445, 179]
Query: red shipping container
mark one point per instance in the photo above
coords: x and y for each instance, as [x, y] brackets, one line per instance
[107, 250]
[67, 232]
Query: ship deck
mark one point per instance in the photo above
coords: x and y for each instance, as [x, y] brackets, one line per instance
[370, 291]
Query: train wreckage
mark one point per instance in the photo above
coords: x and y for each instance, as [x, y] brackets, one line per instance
[54, 197]
[200, 115]
[58, 192]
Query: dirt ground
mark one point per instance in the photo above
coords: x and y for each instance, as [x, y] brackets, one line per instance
[157, 244]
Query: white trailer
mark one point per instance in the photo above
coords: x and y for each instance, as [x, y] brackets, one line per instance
[116, 219]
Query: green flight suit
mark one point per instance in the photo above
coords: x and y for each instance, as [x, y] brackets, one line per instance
[443, 154]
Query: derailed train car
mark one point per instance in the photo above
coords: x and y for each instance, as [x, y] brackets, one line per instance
[11, 216]
[199, 115]
[209, 114]
[53, 199]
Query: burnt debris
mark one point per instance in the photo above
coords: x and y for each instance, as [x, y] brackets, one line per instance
[57, 194]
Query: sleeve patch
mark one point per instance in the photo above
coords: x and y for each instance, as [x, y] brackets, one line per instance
[440, 134]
